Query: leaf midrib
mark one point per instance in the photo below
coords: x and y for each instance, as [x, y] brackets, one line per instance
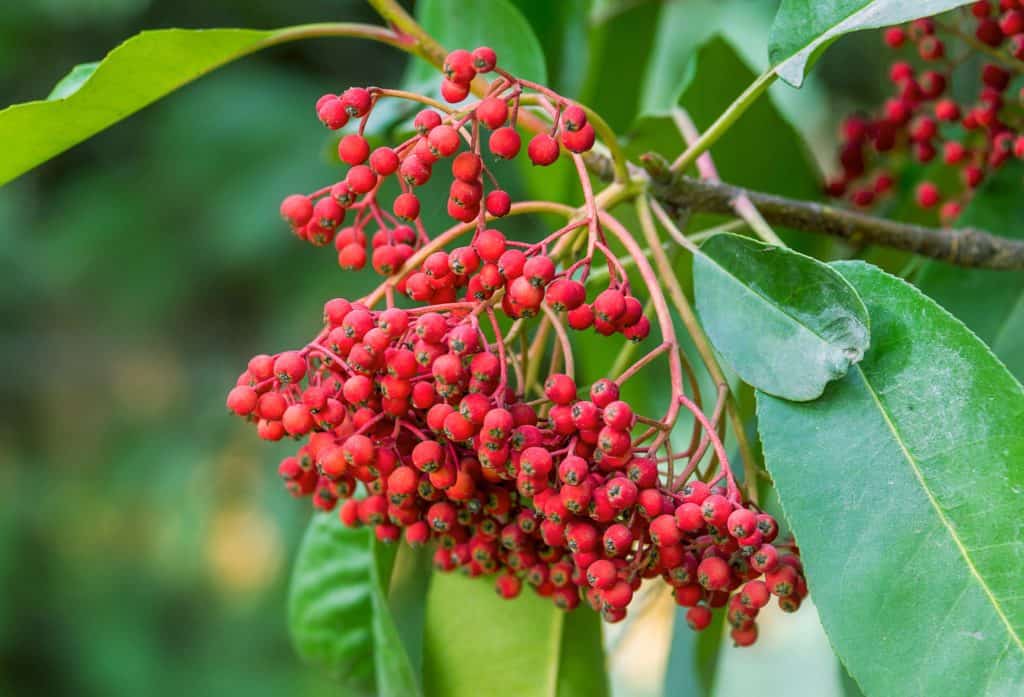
[770, 303]
[939, 511]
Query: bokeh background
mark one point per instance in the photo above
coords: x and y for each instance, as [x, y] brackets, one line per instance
[145, 541]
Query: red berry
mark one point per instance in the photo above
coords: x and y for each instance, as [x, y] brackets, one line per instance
[458, 66]
[926, 195]
[664, 531]
[426, 120]
[601, 574]
[492, 112]
[384, 161]
[542, 149]
[454, 92]
[360, 179]
[353, 149]
[443, 141]
[895, 37]
[484, 59]
[698, 617]
[505, 142]
[407, 206]
[297, 209]
[242, 400]
[579, 141]
[331, 112]
[357, 101]
[714, 574]
[574, 117]
[498, 203]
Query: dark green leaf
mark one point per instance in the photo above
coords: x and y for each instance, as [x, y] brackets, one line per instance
[620, 46]
[478, 643]
[471, 23]
[137, 73]
[562, 30]
[904, 486]
[693, 657]
[338, 609]
[787, 323]
[73, 81]
[803, 29]
[989, 302]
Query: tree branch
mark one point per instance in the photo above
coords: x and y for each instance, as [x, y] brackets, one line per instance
[967, 247]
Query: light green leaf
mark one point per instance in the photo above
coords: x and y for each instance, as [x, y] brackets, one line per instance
[904, 485]
[73, 81]
[471, 23]
[338, 610]
[135, 74]
[991, 303]
[787, 323]
[478, 643]
[803, 29]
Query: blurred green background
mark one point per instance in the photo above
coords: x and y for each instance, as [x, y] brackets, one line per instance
[144, 537]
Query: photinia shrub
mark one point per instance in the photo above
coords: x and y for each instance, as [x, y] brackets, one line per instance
[563, 416]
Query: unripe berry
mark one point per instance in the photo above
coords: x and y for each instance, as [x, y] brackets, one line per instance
[504, 142]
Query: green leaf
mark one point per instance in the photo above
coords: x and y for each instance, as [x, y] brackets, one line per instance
[137, 73]
[471, 23]
[678, 38]
[761, 151]
[693, 657]
[787, 323]
[562, 30]
[478, 643]
[338, 609]
[620, 48]
[904, 486]
[803, 29]
[73, 81]
[989, 302]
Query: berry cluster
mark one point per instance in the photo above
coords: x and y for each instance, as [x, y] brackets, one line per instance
[925, 122]
[417, 420]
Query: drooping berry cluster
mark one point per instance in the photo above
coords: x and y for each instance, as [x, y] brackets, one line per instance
[926, 122]
[417, 419]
